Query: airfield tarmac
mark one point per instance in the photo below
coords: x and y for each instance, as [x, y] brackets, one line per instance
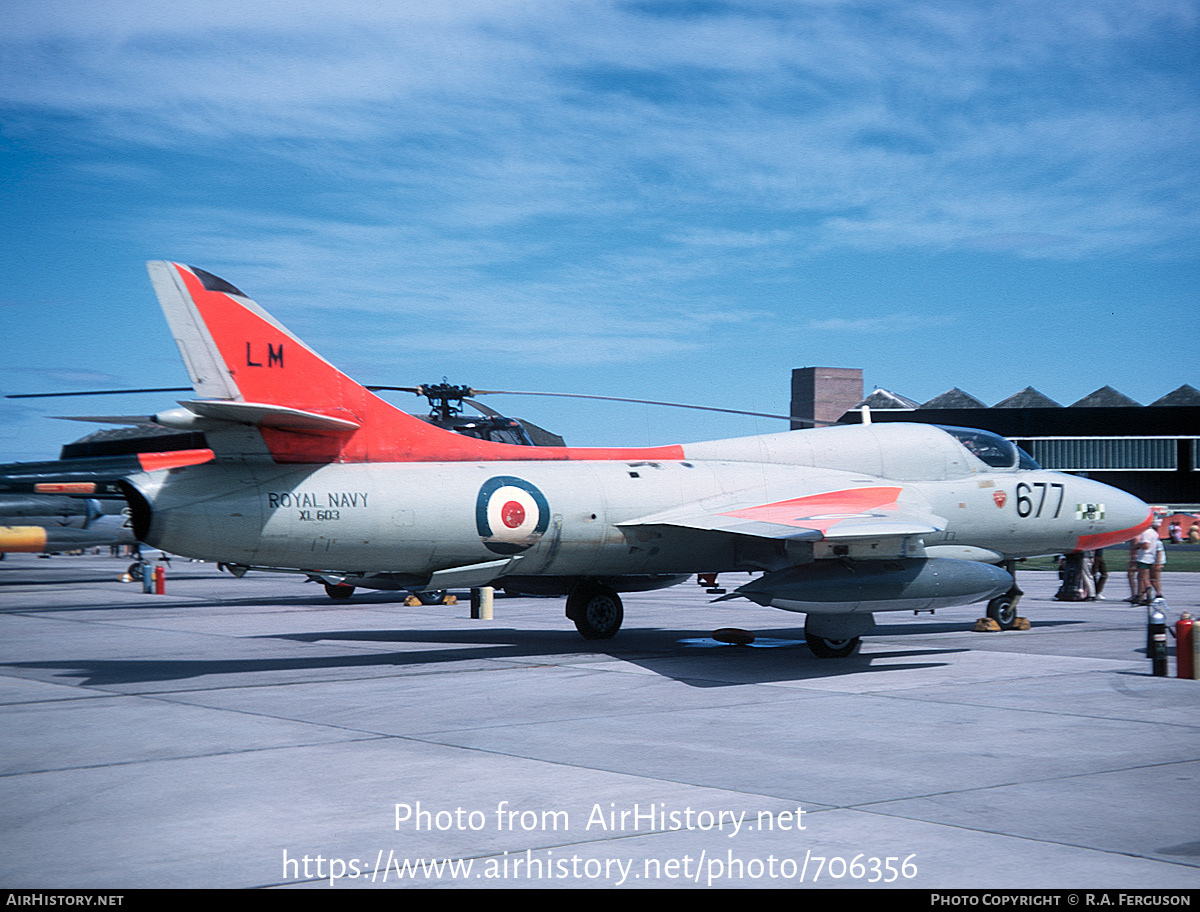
[253, 733]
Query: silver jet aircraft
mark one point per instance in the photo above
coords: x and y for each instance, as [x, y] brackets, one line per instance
[40, 524]
[312, 473]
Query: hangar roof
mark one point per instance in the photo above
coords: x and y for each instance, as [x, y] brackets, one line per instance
[1028, 398]
[1106, 397]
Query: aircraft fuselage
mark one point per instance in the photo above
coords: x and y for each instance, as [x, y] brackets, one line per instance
[563, 518]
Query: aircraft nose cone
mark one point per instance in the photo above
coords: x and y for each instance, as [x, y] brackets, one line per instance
[1124, 516]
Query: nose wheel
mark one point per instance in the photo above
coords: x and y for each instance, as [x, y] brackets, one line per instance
[1003, 608]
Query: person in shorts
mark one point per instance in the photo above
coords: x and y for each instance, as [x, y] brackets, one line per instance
[1143, 553]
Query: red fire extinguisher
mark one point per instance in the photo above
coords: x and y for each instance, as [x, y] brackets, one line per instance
[1185, 629]
[160, 580]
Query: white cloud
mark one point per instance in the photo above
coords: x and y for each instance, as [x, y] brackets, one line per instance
[539, 171]
[888, 324]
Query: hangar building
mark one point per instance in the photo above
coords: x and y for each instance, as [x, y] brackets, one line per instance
[1152, 451]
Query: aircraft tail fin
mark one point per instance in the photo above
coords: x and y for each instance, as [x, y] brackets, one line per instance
[248, 369]
[236, 351]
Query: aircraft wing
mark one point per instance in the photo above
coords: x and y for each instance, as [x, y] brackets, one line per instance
[858, 513]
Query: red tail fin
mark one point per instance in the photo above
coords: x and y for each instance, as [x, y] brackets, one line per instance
[249, 369]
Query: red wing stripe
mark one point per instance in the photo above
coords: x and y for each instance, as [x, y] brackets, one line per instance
[822, 511]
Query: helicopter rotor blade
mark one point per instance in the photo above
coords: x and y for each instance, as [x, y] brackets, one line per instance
[483, 409]
[165, 389]
[159, 389]
[702, 408]
[135, 420]
[474, 392]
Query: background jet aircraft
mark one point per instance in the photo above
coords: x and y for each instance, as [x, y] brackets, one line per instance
[313, 473]
[43, 524]
[68, 504]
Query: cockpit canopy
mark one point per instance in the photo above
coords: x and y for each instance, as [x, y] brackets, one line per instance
[992, 449]
[495, 428]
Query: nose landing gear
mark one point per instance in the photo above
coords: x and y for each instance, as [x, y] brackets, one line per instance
[1003, 608]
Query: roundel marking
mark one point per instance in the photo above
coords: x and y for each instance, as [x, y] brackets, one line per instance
[511, 515]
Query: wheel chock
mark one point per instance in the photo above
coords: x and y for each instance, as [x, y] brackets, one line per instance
[988, 625]
[413, 602]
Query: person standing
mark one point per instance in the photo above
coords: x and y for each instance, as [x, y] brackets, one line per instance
[1156, 569]
[1100, 573]
[1143, 554]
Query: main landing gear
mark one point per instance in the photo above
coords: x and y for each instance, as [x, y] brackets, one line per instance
[829, 648]
[836, 636]
[596, 610]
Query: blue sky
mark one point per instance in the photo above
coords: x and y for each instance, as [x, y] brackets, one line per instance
[665, 200]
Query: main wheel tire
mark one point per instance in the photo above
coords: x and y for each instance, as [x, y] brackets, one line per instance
[828, 648]
[596, 611]
[431, 596]
[338, 593]
[1003, 610]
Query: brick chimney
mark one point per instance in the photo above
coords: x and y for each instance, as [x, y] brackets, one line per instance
[825, 393]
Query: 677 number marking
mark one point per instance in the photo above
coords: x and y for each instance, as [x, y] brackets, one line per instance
[1028, 505]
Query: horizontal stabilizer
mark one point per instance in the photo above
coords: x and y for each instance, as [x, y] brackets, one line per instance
[266, 415]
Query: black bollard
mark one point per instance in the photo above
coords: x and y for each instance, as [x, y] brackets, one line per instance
[1158, 637]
